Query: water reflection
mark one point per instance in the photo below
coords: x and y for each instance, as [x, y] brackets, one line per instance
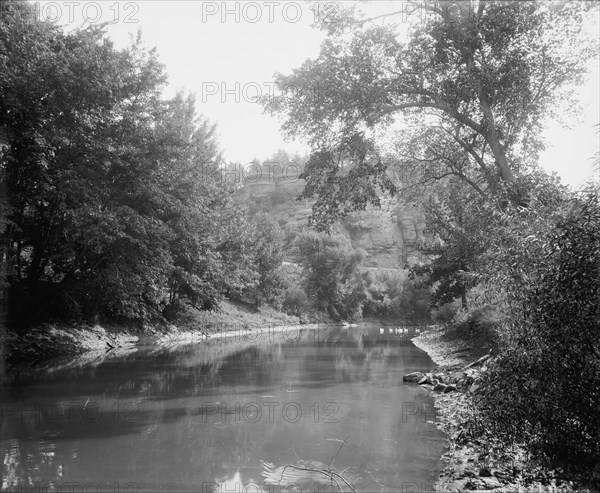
[206, 417]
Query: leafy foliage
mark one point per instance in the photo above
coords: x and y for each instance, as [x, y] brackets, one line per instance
[452, 114]
[391, 295]
[114, 206]
[330, 274]
[296, 301]
[268, 241]
[546, 382]
[457, 218]
[475, 80]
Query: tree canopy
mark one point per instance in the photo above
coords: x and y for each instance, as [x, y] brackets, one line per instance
[479, 78]
[114, 206]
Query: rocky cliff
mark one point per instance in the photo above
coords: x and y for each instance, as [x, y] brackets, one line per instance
[389, 235]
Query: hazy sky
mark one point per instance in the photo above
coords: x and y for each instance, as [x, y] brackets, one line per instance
[227, 53]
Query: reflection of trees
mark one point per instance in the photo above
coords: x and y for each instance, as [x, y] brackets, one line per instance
[28, 464]
[169, 445]
[12, 467]
[353, 355]
[166, 370]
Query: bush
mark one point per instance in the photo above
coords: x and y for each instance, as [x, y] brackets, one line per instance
[445, 313]
[545, 386]
[415, 303]
[481, 326]
[393, 295]
[331, 275]
[295, 301]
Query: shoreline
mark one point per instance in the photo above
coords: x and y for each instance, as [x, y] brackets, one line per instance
[478, 463]
[183, 336]
[87, 343]
[60, 346]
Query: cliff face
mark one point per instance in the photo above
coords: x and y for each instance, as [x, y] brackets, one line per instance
[389, 234]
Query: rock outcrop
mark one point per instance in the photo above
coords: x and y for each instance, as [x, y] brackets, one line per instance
[389, 235]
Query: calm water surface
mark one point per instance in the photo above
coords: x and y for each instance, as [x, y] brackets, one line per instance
[228, 416]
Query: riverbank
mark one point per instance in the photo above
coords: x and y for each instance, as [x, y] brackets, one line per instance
[89, 343]
[84, 344]
[475, 460]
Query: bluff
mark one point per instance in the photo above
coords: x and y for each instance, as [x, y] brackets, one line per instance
[390, 235]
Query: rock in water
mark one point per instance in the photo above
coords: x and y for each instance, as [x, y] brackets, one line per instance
[440, 376]
[440, 387]
[413, 377]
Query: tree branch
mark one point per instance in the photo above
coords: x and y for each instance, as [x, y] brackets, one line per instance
[442, 106]
[469, 149]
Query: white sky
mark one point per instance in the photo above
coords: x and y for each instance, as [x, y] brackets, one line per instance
[208, 46]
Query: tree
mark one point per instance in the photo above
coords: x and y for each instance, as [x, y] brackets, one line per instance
[460, 103]
[114, 202]
[457, 218]
[268, 246]
[480, 77]
[73, 112]
[331, 277]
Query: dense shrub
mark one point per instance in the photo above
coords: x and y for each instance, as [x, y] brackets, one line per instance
[445, 313]
[295, 301]
[392, 295]
[267, 252]
[331, 274]
[479, 325]
[545, 385]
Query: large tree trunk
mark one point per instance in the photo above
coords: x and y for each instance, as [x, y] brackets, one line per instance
[492, 138]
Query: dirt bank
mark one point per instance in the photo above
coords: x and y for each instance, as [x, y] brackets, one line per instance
[52, 346]
[88, 343]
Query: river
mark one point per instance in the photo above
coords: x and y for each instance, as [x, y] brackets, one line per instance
[298, 410]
